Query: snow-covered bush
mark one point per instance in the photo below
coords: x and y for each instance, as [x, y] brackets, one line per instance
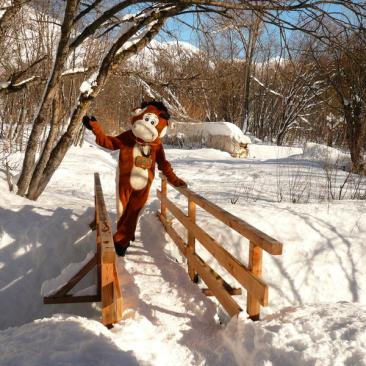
[224, 136]
[328, 156]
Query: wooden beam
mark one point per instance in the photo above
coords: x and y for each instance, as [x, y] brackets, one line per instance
[108, 285]
[218, 287]
[108, 294]
[254, 285]
[232, 291]
[118, 295]
[68, 299]
[191, 239]
[173, 234]
[255, 266]
[215, 285]
[261, 239]
[164, 193]
[110, 290]
[76, 278]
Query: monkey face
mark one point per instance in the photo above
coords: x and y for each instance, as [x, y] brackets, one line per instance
[148, 124]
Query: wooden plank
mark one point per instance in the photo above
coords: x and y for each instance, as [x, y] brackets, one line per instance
[173, 234]
[99, 266]
[254, 285]
[191, 239]
[261, 239]
[217, 288]
[108, 306]
[209, 276]
[76, 278]
[164, 191]
[255, 266]
[232, 291]
[118, 295]
[68, 299]
[111, 296]
[107, 247]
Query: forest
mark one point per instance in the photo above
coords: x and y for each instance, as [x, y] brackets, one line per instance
[286, 72]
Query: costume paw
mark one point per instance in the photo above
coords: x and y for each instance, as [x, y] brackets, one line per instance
[87, 120]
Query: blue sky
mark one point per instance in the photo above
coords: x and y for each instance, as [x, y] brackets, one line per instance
[185, 33]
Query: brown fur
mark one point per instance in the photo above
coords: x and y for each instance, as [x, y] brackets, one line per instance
[133, 200]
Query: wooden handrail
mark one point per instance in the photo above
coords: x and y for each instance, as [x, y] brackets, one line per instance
[249, 277]
[259, 238]
[108, 285]
[107, 272]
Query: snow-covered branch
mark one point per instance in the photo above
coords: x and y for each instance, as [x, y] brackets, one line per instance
[266, 88]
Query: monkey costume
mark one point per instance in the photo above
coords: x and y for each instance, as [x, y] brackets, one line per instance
[140, 148]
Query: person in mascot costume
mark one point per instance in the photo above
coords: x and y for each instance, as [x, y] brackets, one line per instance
[140, 148]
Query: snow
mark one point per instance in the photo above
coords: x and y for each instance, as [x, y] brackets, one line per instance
[172, 49]
[87, 86]
[322, 334]
[137, 37]
[206, 129]
[225, 129]
[4, 84]
[268, 89]
[70, 340]
[4, 5]
[317, 288]
[75, 70]
[50, 286]
[327, 155]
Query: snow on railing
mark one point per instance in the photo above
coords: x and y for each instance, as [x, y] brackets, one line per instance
[249, 277]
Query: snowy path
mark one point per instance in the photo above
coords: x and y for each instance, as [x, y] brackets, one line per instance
[177, 324]
[317, 312]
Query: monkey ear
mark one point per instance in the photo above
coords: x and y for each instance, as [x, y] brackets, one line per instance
[137, 111]
[163, 132]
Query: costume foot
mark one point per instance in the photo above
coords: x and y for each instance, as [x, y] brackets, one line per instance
[121, 248]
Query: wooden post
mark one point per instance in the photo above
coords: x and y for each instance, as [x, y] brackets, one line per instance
[191, 239]
[163, 196]
[254, 266]
[99, 265]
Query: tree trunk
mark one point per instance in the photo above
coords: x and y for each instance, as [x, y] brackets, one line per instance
[51, 87]
[356, 132]
[279, 138]
[252, 41]
[42, 162]
[112, 59]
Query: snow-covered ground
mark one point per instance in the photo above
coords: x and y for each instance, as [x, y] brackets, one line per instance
[317, 310]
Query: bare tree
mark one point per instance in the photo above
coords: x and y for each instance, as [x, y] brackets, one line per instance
[344, 70]
[126, 35]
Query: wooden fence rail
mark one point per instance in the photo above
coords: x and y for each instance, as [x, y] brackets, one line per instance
[249, 277]
[108, 285]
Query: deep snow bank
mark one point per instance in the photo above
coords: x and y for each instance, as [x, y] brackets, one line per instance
[322, 335]
[327, 156]
[38, 240]
[62, 340]
[323, 261]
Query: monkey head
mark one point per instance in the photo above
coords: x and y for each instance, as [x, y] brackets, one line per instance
[150, 121]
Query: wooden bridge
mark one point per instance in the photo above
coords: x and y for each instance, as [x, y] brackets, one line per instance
[108, 284]
[249, 277]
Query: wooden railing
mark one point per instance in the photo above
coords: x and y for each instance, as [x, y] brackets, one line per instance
[108, 285]
[249, 277]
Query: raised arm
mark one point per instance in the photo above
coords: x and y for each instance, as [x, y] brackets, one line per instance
[167, 169]
[108, 142]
